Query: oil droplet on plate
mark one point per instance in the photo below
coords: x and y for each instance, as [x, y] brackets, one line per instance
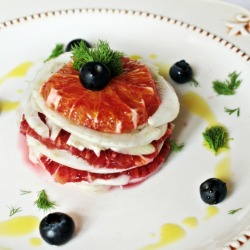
[19, 91]
[6, 106]
[153, 56]
[222, 170]
[198, 106]
[135, 57]
[152, 235]
[190, 222]
[163, 69]
[19, 226]
[19, 71]
[169, 234]
[211, 211]
[36, 242]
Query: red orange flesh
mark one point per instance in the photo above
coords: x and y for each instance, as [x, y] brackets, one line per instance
[122, 106]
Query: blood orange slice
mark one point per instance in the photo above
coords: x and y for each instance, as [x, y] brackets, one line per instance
[126, 103]
[107, 159]
[64, 174]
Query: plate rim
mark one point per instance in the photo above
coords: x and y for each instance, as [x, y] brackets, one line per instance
[71, 11]
[242, 238]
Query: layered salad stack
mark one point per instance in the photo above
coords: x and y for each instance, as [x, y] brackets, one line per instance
[93, 115]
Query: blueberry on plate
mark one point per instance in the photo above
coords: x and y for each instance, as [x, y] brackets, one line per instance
[181, 72]
[75, 42]
[95, 75]
[57, 228]
[213, 191]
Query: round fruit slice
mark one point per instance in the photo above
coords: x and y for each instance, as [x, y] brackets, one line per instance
[64, 174]
[108, 159]
[121, 107]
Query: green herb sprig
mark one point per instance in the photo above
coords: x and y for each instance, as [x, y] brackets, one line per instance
[175, 147]
[43, 201]
[101, 53]
[216, 137]
[194, 83]
[57, 51]
[229, 86]
[24, 192]
[233, 211]
[14, 210]
[231, 111]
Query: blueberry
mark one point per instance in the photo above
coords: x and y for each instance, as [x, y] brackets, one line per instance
[213, 191]
[181, 72]
[57, 228]
[95, 75]
[75, 42]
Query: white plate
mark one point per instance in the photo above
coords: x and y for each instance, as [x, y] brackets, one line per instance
[130, 219]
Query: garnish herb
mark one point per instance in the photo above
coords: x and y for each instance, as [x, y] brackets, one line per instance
[57, 51]
[233, 211]
[14, 210]
[194, 82]
[23, 192]
[229, 86]
[216, 137]
[231, 111]
[43, 201]
[174, 147]
[101, 53]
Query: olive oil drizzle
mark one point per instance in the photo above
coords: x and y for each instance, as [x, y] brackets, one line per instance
[19, 226]
[169, 233]
[19, 71]
[198, 106]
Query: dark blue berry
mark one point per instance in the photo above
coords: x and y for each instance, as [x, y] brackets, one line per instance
[181, 72]
[213, 191]
[95, 75]
[57, 228]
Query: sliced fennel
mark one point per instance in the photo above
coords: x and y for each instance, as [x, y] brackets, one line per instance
[65, 158]
[125, 140]
[169, 106]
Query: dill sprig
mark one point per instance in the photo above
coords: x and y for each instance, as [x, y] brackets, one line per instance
[14, 210]
[194, 82]
[229, 86]
[101, 53]
[216, 137]
[43, 201]
[175, 147]
[57, 51]
[233, 211]
[231, 111]
[23, 192]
